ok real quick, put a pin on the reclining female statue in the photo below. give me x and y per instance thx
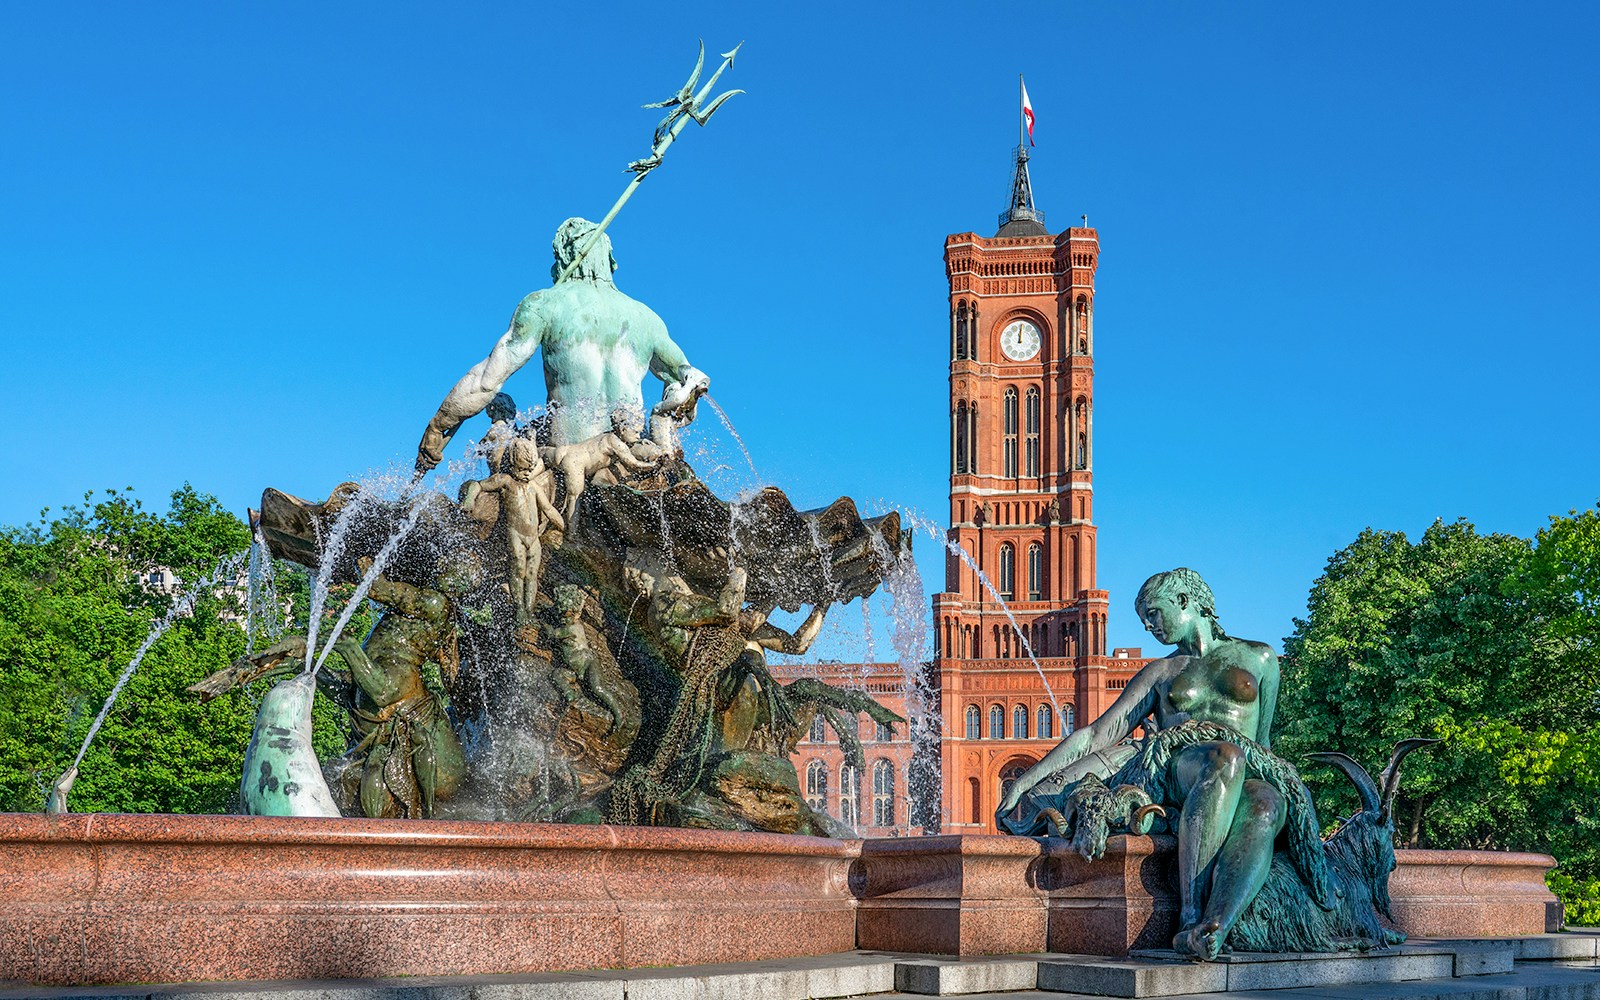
(1205, 756)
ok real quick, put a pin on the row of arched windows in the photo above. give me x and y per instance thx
(1030, 441)
(848, 805)
(1063, 637)
(1019, 723)
(881, 732)
(1021, 426)
(1008, 572)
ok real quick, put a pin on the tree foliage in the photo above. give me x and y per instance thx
(75, 605)
(1485, 641)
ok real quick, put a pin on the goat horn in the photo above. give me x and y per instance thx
(1365, 786)
(1143, 817)
(1391, 774)
(1051, 817)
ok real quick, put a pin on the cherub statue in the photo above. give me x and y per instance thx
(643, 449)
(586, 460)
(580, 675)
(527, 507)
(502, 414)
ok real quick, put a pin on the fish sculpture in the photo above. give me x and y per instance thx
(281, 774)
(57, 804)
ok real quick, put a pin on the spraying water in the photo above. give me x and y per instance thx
(723, 416)
(908, 604)
(452, 471)
(377, 566)
(226, 569)
(263, 612)
(329, 553)
(966, 557)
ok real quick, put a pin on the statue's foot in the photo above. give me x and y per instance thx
(1201, 942)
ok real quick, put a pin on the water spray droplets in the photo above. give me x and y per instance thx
(225, 573)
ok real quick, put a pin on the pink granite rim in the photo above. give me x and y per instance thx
(963, 844)
(1488, 859)
(90, 828)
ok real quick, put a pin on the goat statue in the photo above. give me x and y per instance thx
(1283, 917)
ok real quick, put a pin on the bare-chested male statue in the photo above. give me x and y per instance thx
(598, 343)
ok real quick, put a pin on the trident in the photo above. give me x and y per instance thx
(685, 104)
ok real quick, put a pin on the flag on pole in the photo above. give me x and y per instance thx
(1027, 113)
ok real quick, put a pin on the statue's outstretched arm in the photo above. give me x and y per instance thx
(371, 678)
(667, 360)
(770, 636)
(1137, 700)
(473, 392)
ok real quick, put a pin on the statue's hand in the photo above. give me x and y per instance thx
(430, 450)
(678, 398)
(1013, 798)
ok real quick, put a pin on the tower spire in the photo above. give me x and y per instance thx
(1020, 218)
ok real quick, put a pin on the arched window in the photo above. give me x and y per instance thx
(972, 331)
(1008, 572)
(849, 796)
(972, 439)
(961, 448)
(817, 734)
(1082, 325)
(1080, 434)
(882, 733)
(1035, 572)
(1031, 448)
(1019, 722)
(1010, 444)
(1009, 777)
(1067, 723)
(883, 793)
(997, 722)
(961, 332)
(1046, 723)
(974, 723)
(817, 786)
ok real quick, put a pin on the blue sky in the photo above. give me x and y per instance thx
(1347, 270)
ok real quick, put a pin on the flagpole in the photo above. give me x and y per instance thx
(1021, 118)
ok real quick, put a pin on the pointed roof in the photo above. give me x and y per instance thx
(1022, 219)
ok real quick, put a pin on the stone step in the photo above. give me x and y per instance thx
(1160, 973)
(953, 977)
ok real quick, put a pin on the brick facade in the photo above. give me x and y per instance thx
(1022, 535)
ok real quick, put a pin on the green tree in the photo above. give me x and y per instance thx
(1484, 641)
(73, 611)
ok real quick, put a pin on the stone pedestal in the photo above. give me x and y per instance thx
(1124, 900)
(1463, 894)
(960, 895)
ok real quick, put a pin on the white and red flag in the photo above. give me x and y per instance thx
(1027, 113)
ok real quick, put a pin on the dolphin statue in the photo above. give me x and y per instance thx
(281, 773)
(57, 805)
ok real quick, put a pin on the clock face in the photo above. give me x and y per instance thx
(1020, 340)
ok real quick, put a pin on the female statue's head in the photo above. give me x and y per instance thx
(1178, 607)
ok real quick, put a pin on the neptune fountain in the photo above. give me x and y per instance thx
(580, 636)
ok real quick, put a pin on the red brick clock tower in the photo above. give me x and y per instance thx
(1022, 337)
